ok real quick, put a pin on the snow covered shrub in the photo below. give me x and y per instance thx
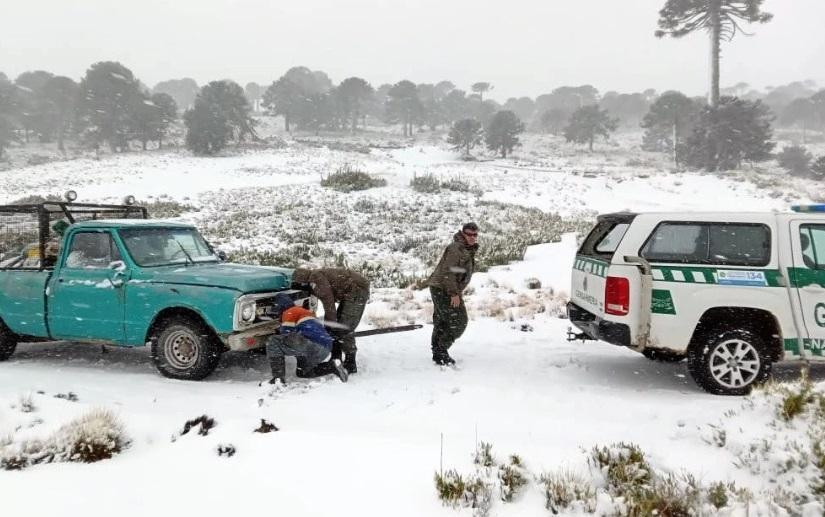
(567, 490)
(426, 184)
(818, 168)
(533, 283)
(266, 427)
(165, 207)
(456, 185)
(484, 455)
(26, 404)
(623, 465)
(795, 159)
(96, 436)
(796, 397)
(511, 478)
(93, 437)
(226, 449)
(203, 423)
(719, 494)
(455, 491)
(668, 497)
(349, 179)
(70, 396)
(450, 487)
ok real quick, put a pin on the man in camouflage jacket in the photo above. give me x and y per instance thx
(351, 291)
(447, 284)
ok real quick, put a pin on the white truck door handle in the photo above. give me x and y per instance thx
(814, 288)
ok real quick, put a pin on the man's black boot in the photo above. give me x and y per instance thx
(349, 363)
(278, 367)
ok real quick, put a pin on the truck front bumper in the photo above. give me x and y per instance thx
(596, 328)
(252, 338)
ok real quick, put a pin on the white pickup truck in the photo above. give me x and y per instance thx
(731, 292)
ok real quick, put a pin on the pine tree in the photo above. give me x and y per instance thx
(721, 18)
(818, 169)
(60, 94)
(220, 111)
(669, 122)
(108, 92)
(465, 134)
(354, 94)
(502, 132)
(796, 160)
(588, 122)
(724, 137)
(403, 106)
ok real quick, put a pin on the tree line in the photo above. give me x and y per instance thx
(110, 106)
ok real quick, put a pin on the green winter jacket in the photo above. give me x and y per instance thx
(456, 267)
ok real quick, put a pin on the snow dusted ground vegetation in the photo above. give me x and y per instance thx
(595, 428)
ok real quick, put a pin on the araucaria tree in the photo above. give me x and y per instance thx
(464, 135)
(724, 137)
(588, 122)
(721, 18)
(502, 133)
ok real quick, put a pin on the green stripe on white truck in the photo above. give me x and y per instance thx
(814, 347)
(592, 266)
(718, 276)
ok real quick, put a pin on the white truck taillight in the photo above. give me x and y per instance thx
(617, 296)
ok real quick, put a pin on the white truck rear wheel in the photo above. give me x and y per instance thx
(730, 362)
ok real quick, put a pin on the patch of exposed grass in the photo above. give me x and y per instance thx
(349, 179)
(565, 490)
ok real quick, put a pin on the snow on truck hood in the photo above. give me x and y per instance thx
(247, 279)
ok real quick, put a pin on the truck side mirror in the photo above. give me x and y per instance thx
(117, 265)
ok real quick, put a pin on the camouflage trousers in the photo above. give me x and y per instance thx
(449, 322)
(349, 313)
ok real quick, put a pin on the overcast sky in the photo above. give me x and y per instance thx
(523, 47)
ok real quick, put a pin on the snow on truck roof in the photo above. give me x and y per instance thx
(808, 210)
(131, 223)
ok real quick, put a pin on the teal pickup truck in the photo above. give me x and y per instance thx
(107, 274)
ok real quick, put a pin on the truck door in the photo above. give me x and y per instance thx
(86, 297)
(807, 278)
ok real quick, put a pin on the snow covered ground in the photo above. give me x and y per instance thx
(371, 447)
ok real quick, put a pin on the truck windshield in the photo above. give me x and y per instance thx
(164, 246)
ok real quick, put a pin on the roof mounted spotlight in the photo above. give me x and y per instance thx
(70, 195)
(129, 200)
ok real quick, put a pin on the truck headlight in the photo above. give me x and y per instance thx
(248, 312)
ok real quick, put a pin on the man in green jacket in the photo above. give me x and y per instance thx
(447, 284)
(351, 291)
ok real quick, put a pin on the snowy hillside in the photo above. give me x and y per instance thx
(371, 447)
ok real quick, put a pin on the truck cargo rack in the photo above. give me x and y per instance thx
(27, 229)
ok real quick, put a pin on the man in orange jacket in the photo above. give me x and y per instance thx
(303, 336)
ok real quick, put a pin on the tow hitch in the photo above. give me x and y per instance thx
(574, 336)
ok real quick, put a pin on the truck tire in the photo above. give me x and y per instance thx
(8, 342)
(184, 348)
(662, 356)
(729, 362)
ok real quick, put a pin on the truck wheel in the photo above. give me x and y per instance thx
(662, 356)
(184, 348)
(8, 342)
(730, 363)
